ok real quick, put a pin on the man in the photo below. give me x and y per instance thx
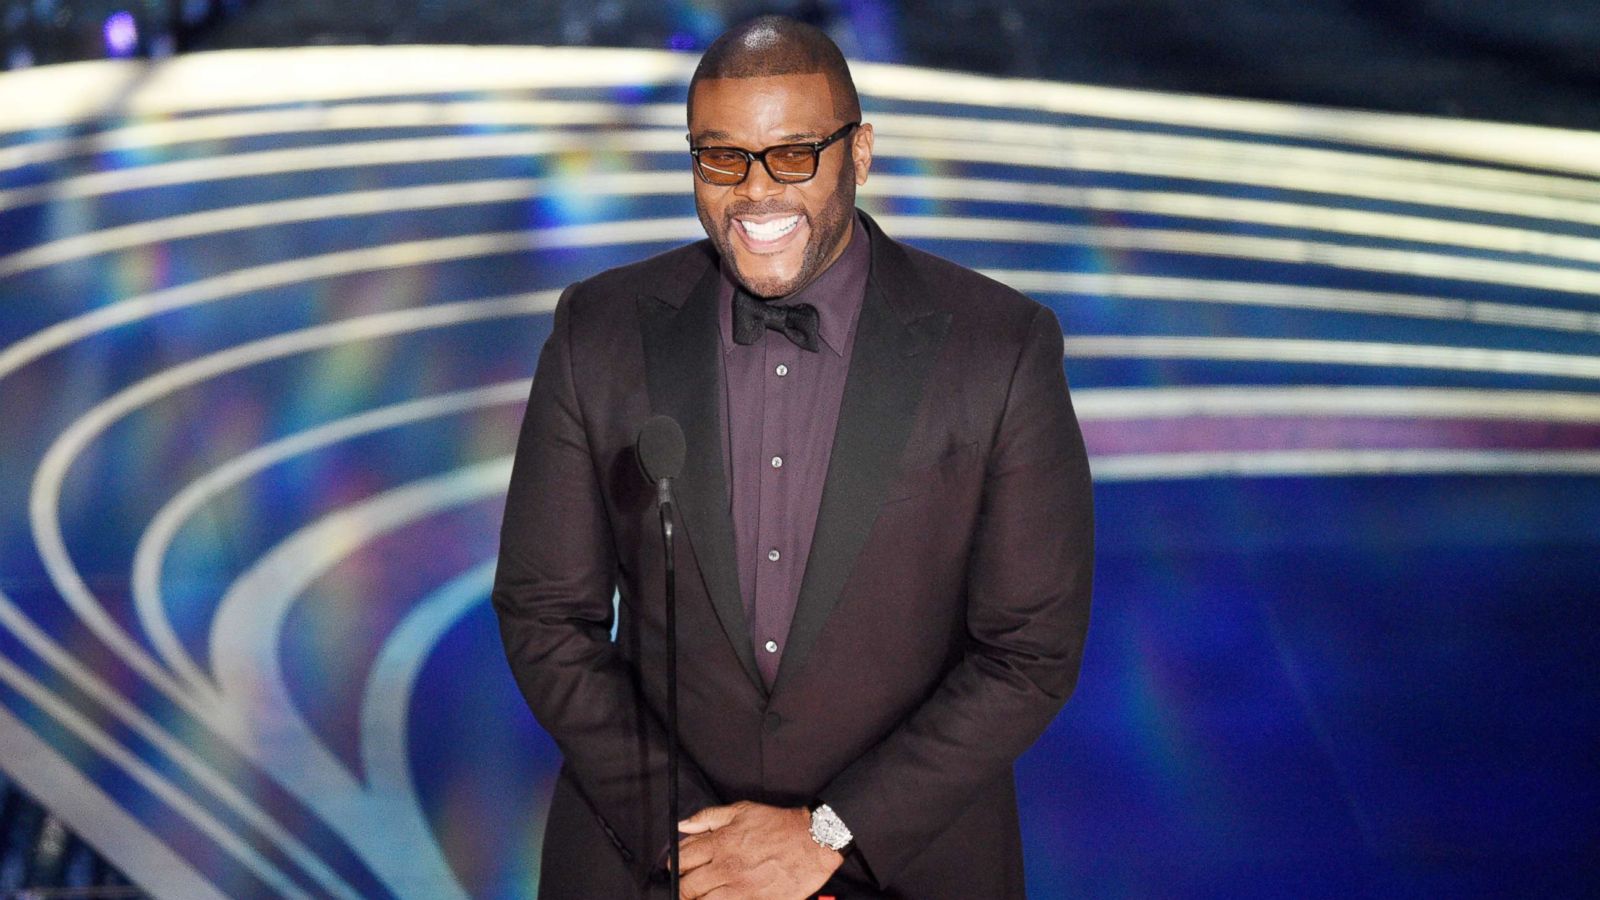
(886, 511)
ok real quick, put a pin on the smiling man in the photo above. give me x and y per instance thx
(775, 234)
(887, 513)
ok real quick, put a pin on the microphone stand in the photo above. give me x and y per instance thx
(664, 501)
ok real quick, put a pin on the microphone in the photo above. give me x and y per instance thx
(660, 448)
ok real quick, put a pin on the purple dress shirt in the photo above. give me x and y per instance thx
(781, 412)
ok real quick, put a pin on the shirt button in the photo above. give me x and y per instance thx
(773, 555)
(777, 462)
(782, 370)
(772, 646)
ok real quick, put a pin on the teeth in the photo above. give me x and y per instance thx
(770, 231)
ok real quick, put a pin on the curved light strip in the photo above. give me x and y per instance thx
(139, 308)
(148, 778)
(1519, 145)
(1295, 296)
(1339, 220)
(1254, 463)
(150, 556)
(1276, 213)
(386, 704)
(1128, 154)
(45, 497)
(140, 723)
(321, 157)
(1234, 150)
(66, 94)
(1104, 404)
(330, 265)
(413, 253)
(335, 206)
(146, 135)
(1267, 249)
(33, 99)
(81, 803)
(52, 549)
(1562, 192)
(1131, 161)
(259, 712)
(1350, 353)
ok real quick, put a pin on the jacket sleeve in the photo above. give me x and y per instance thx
(1028, 585)
(553, 596)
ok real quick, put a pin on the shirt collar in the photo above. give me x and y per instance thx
(837, 293)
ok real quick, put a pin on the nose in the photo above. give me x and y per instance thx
(758, 184)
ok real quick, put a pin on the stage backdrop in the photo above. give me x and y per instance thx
(267, 321)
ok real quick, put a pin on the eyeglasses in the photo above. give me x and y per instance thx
(786, 163)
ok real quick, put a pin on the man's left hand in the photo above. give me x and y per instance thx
(748, 850)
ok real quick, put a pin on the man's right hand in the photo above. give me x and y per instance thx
(751, 851)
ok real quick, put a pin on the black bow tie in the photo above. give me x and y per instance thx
(751, 317)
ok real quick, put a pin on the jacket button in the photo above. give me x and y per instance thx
(772, 721)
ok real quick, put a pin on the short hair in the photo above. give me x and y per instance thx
(779, 45)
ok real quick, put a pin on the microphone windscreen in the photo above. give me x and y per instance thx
(661, 448)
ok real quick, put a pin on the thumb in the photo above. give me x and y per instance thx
(709, 819)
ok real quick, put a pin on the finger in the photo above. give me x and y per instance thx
(708, 819)
(701, 881)
(694, 852)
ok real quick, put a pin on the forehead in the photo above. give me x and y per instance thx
(764, 108)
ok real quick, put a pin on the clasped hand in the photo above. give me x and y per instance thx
(748, 851)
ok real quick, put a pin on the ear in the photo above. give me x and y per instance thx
(861, 151)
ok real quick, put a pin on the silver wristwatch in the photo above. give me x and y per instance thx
(828, 830)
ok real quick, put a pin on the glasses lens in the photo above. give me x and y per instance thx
(722, 166)
(792, 163)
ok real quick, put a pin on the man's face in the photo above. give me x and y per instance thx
(777, 236)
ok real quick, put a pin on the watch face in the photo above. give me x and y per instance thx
(828, 829)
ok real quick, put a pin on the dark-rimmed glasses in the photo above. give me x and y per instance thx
(786, 163)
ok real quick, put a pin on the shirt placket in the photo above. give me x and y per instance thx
(773, 546)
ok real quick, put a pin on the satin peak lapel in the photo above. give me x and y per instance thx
(681, 345)
(895, 347)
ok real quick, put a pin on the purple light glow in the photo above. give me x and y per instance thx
(121, 33)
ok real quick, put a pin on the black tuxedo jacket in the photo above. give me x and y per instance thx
(941, 616)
